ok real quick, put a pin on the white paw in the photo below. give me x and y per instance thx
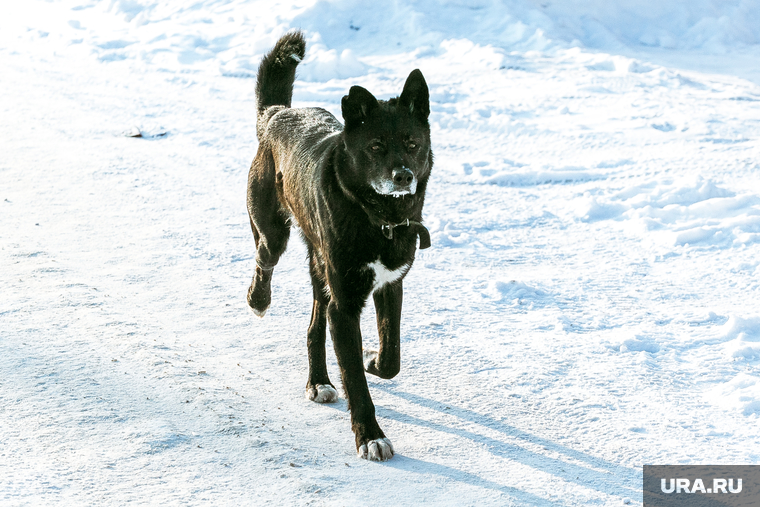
(376, 450)
(260, 313)
(322, 393)
(369, 356)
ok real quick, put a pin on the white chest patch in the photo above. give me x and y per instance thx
(383, 275)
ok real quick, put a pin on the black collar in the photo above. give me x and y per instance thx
(417, 227)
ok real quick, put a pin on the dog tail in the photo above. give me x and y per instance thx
(277, 72)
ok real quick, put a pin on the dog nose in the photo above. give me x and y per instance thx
(402, 176)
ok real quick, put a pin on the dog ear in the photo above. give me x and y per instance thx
(415, 95)
(357, 105)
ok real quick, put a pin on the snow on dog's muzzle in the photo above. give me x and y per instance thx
(402, 182)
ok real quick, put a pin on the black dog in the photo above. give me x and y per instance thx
(356, 192)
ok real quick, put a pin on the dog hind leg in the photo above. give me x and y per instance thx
(319, 388)
(270, 227)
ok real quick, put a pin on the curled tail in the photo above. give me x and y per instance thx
(274, 83)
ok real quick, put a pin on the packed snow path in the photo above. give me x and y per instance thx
(589, 304)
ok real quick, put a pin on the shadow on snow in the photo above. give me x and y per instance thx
(594, 473)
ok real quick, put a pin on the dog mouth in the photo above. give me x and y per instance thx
(389, 188)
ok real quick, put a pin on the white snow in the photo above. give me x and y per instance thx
(589, 303)
(743, 337)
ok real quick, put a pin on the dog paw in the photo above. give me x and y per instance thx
(370, 359)
(322, 393)
(376, 450)
(260, 313)
(258, 299)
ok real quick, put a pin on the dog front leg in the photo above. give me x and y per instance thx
(386, 362)
(346, 334)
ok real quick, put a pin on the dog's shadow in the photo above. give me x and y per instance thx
(419, 466)
(575, 467)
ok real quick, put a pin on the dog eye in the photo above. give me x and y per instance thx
(376, 148)
(412, 146)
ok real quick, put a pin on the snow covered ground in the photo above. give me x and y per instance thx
(590, 303)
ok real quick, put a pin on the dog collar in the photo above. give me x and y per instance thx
(387, 227)
(417, 227)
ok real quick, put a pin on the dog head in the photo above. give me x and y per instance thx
(388, 142)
